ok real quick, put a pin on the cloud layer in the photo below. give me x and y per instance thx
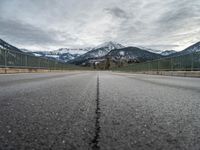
(50, 24)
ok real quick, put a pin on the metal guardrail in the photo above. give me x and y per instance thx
(14, 59)
(189, 62)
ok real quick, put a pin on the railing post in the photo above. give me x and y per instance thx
(21, 60)
(192, 62)
(157, 65)
(26, 60)
(38, 62)
(171, 63)
(48, 64)
(5, 58)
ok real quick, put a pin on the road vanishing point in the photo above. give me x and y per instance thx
(99, 110)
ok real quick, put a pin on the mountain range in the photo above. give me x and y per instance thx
(97, 52)
(62, 54)
(111, 50)
(161, 52)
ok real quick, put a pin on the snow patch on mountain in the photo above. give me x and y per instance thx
(161, 52)
(53, 56)
(38, 55)
(122, 53)
(98, 52)
(168, 52)
(110, 45)
(79, 51)
(193, 48)
(133, 54)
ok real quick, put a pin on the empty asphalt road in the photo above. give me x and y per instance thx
(99, 110)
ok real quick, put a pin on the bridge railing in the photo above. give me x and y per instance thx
(9, 58)
(189, 62)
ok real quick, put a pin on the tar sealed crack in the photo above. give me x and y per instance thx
(95, 140)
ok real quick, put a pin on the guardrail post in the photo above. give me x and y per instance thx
(48, 64)
(21, 58)
(26, 60)
(5, 58)
(192, 62)
(157, 66)
(39, 63)
(171, 63)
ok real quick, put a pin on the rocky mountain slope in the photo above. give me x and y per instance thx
(133, 54)
(167, 52)
(62, 54)
(5, 45)
(97, 52)
(191, 49)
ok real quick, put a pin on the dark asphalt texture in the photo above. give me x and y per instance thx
(99, 110)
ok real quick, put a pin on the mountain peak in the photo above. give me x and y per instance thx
(110, 45)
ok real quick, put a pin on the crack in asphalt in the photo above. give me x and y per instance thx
(95, 141)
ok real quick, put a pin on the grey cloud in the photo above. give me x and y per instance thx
(117, 12)
(28, 34)
(155, 23)
(179, 14)
(175, 18)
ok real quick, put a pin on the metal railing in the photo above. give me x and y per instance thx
(189, 62)
(9, 58)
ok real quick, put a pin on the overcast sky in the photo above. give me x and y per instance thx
(52, 24)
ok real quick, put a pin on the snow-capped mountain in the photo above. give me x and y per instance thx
(191, 49)
(97, 52)
(62, 54)
(161, 52)
(167, 52)
(132, 54)
(78, 51)
(109, 46)
(120, 57)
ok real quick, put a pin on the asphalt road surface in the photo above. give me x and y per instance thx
(99, 110)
